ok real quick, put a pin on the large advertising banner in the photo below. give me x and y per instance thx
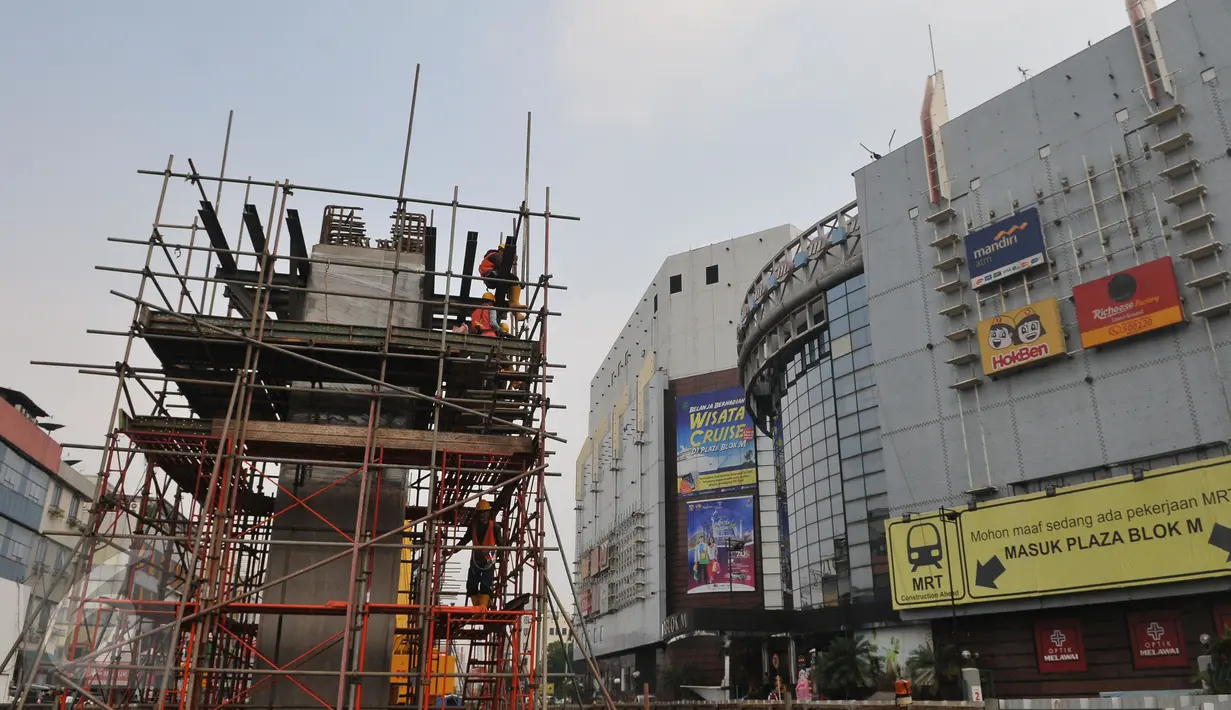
(714, 446)
(721, 545)
(1001, 249)
(1128, 303)
(1021, 337)
(1166, 525)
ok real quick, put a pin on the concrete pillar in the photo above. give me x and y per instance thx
(282, 638)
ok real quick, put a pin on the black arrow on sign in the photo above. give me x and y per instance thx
(1220, 537)
(987, 574)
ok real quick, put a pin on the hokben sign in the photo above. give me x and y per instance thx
(1170, 525)
(1021, 337)
(1004, 248)
(1131, 302)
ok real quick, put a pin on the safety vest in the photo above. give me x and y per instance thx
(489, 264)
(481, 321)
(486, 539)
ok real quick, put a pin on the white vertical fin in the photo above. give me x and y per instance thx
(1149, 49)
(934, 114)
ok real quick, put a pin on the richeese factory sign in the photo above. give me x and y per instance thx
(1131, 302)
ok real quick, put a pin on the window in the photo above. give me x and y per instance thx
(9, 476)
(73, 507)
(15, 543)
(36, 486)
(676, 283)
(56, 494)
(711, 274)
(656, 303)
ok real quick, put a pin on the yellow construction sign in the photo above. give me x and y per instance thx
(1166, 525)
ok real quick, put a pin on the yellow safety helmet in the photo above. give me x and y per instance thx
(504, 326)
(489, 296)
(483, 505)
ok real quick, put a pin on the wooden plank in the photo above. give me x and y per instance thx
(310, 334)
(406, 440)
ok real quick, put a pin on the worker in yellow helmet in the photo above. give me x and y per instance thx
(483, 532)
(482, 319)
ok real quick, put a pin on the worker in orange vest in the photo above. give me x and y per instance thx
(481, 319)
(492, 267)
(483, 532)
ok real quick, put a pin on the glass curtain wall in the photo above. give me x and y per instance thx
(834, 464)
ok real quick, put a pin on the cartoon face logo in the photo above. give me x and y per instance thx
(1007, 331)
(923, 546)
(1000, 336)
(1030, 327)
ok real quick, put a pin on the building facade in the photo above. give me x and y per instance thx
(44, 504)
(676, 508)
(1030, 466)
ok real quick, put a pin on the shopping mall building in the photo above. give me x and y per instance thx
(988, 397)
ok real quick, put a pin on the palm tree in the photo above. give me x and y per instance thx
(931, 671)
(1218, 677)
(846, 668)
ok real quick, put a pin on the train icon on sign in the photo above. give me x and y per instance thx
(923, 546)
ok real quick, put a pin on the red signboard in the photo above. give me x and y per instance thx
(1131, 302)
(1158, 640)
(1222, 620)
(1059, 647)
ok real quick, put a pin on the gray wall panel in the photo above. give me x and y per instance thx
(1066, 416)
(915, 478)
(904, 373)
(1149, 395)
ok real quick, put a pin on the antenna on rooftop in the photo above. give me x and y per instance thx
(932, 46)
(878, 156)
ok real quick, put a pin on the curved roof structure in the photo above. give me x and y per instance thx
(784, 303)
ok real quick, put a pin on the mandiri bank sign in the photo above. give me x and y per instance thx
(1001, 249)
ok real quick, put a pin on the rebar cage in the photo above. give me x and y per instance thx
(298, 439)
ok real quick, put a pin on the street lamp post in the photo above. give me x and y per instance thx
(950, 516)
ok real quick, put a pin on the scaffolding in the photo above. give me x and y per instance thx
(298, 439)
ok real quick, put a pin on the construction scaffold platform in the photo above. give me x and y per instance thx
(301, 433)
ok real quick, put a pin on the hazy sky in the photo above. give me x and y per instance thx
(664, 124)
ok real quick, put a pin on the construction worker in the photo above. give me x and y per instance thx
(483, 532)
(481, 319)
(493, 267)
